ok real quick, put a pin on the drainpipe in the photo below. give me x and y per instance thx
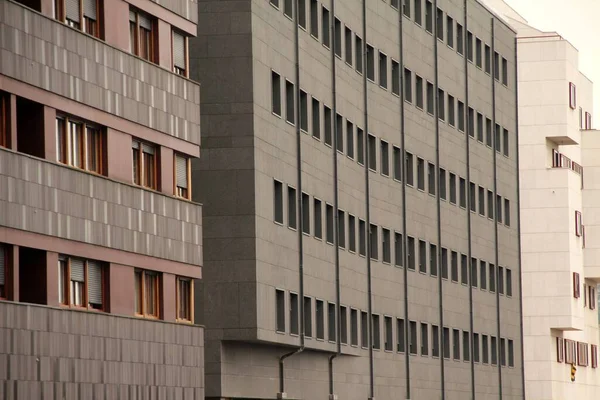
(282, 394)
(332, 395)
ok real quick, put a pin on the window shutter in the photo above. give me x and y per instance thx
(145, 21)
(178, 50)
(559, 350)
(94, 282)
(147, 149)
(77, 270)
(181, 170)
(90, 9)
(72, 9)
(2, 267)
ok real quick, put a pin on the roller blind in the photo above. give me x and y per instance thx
(179, 50)
(131, 15)
(135, 144)
(2, 267)
(181, 168)
(147, 149)
(94, 282)
(72, 10)
(90, 9)
(145, 21)
(77, 267)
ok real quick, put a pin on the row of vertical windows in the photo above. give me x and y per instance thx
(385, 244)
(350, 140)
(423, 338)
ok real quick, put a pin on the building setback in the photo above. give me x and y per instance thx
(358, 244)
(559, 191)
(100, 243)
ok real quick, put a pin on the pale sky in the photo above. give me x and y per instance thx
(576, 21)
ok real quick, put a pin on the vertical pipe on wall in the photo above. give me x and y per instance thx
(469, 229)
(299, 210)
(437, 195)
(496, 255)
(403, 173)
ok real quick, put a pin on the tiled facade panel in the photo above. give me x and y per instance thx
(69, 355)
(185, 8)
(51, 56)
(45, 198)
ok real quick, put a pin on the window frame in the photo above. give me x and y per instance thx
(157, 296)
(66, 145)
(85, 295)
(572, 96)
(176, 69)
(176, 189)
(178, 280)
(141, 164)
(60, 14)
(153, 45)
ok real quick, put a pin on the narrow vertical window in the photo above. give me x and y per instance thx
(360, 146)
(396, 78)
(5, 123)
(459, 39)
(485, 351)
(318, 215)
(452, 196)
(412, 339)
(314, 18)
(353, 327)
(386, 245)
(280, 310)
(454, 266)
(424, 339)
(291, 197)
(483, 274)
(302, 13)
(488, 59)
(456, 344)
(474, 265)
(420, 173)
(418, 12)
(464, 270)
(275, 93)
(303, 111)
(288, 8)
(182, 179)
(408, 85)
(374, 241)
(409, 169)
(397, 160)
(481, 199)
(444, 263)
(389, 337)
(490, 203)
(359, 54)
(471, 122)
(463, 193)
(400, 336)
(328, 121)
(488, 132)
(294, 321)
(362, 241)
(341, 226)
(349, 139)
(398, 254)
(308, 316)
(509, 287)
(351, 233)
(461, 116)
(505, 140)
(4, 268)
(503, 352)
(440, 25)
(511, 353)
(469, 46)
(504, 71)
(430, 98)
(339, 133)
(507, 212)
(376, 340)
(410, 252)
(450, 31)
(492, 274)
(431, 178)
(370, 63)
(419, 92)
(278, 202)
(179, 54)
(385, 158)
(422, 256)
(77, 282)
(290, 101)
(435, 341)
(451, 111)
(446, 342)
(405, 7)
(325, 30)
(499, 207)
(185, 295)
(496, 66)
(364, 329)
(329, 223)
(337, 25)
(500, 280)
(472, 197)
(441, 105)
(480, 127)
(316, 118)
(348, 36)
(433, 260)
(91, 22)
(320, 319)
(142, 35)
(428, 16)
(476, 357)
(466, 346)
(306, 213)
(147, 294)
(372, 152)
(478, 53)
(572, 96)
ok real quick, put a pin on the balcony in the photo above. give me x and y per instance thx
(51, 199)
(51, 56)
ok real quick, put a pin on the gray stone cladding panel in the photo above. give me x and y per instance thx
(187, 9)
(52, 56)
(51, 199)
(53, 353)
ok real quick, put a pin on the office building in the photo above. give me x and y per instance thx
(559, 214)
(359, 184)
(100, 243)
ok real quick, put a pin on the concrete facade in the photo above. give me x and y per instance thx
(558, 197)
(100, 241)
(275, 264)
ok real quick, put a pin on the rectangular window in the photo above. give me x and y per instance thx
(288, 8)
(500, 280)
(446, 342)
(337, 45)
(505, 141)
(386, 245)
(422, 256)
(440, 25)
(351, 233)
(389, 337)
(498, 137)
(147, 294)
(294, 320)
(372, 152)
(179, 54)
(454, 266)
(496, 66)
(441, 106)
(360, 146)
(503, 352)
(328, 124)
(444, 263)
(435, 341)
(5, 123)
(492, 274)
(452, 178)
(318, 215)
(499, 208)
(459, 39)
(364, 329)
(398, 254)
(397, 160)
(349, 139)
(400, 334)
(506, 212)
(424, 339)
(572, 96)
(144, 164)
(443, 189)
(339, 133)
(290, 102)
(418, 12)
(476, 357)
(314, 18)
(5, 267)
(594, 355)
(464, 270)
(383, 66)
(490, 203)
(481, 199)
(359, 54)
(348, 36)
(370, 63)
(308, 316)
(279, 310)
(472, 197)
(278, 201)
(81, 282)
(451, 111)
(483, 274)
(320, 318)
(72, 11)
(395, 77)
(409, 169)
(413, 337)
(461, 116)
(374, 241)
(474, 280)
(433, 260)
(79, 144)
(329, 223)
(376, 342)
(430, 98)
(182, 177)
(185, 296)
(488, 132)
(142, 35)
(509, 286)
(511, 353)
(471, 122)
(410, 252)
(478, 52)
(431, 178)
(325, 22)
(306, 213)
(488, 59)
(362, 242)
(463, 193)
(303, 111)
(418, 92)
(466, 347)
(275, 93)
(485, 351)
(331, 322)
(341, 229)
(353, 327)
(420, 173)
(450, 31)
(405, 6)
(480, 127)
(504, 71)
(385, 158)
(343, 325)
(456, 344)
(316, 118)
(428, 16)
(408, 85)
(292, 222)
(469, 46)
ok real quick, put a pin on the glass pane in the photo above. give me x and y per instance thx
(136, 166)
(149, 170)
(93, 150)
(150, 294)
(76, 144)
(138, 292)
(61, 141)
(145, 43)
(132, 37)
(62, 271)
